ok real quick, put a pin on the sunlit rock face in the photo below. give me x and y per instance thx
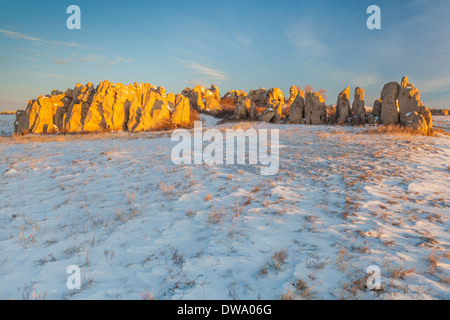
(343, 106)
(230, 99)
(293, 93)
(109, 107)
(181, 117)
(272, 98)
(315, 109)
(206, 100)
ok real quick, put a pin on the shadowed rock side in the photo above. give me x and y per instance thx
(343, 106)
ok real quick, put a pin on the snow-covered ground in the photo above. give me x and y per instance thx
(7, 125)
(134, 222)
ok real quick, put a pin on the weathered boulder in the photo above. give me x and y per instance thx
(408, 98)
(259, 97)
(212, 100)
(416, 121)
(268, 115)
(376, 110)
(275, 99)
(230, 99)
(252, 111)
(440, 112)
(242, 109)
(297, 109)
(315, 109)
(359, 106)
(343, 106)
(181, 117)
(389, 104)
(426, 114)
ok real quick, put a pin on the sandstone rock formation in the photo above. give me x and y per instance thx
(408, 98)
(201, 99)
(242, 109)
(230, 99)
(359, 106)
(376, 110)
(297, 109)
(315, 109)
(343, 106)
(269, 115)
(143, 107)
(181, 117)
(402, 104)
(440, 112)
(389, 104)
(109, 107)
(293, 93)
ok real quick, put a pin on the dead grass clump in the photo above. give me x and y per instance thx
(433, 259)
(208, 197)
(216, 216)
(276, 262)
(392, 130)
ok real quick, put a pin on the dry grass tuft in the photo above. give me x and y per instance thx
(216, 215)
(392, 130)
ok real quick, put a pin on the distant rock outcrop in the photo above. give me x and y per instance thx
(440, 112)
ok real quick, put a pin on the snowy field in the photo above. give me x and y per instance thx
(7, 125)
(138, 225)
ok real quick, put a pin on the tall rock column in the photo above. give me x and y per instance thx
(389, 104)
(315, 109)
(343, 106)
(359, 106)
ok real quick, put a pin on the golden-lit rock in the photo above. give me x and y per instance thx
(293, 93)
(79, 107)
(181, 117)
(275, 99)
(230, 99)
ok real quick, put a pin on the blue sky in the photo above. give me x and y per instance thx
(234, 44)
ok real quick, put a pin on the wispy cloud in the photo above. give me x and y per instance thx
(211, 73)
(303, 37)
(63, 62)
(18, 35)
(115, 61)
